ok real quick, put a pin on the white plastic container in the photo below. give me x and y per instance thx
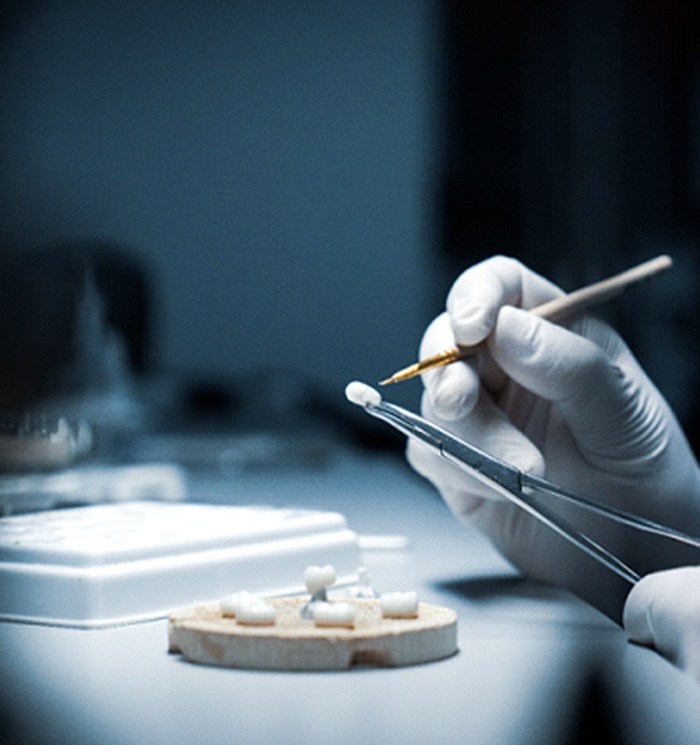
(113, 564)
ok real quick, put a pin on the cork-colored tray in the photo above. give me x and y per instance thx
(202, 634)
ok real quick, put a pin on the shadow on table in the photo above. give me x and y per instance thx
(491, 587)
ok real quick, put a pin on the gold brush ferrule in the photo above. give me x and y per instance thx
(438, 360)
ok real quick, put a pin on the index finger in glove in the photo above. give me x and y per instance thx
(452, 390)
(479, 292)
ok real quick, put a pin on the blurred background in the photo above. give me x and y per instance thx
(230, 209)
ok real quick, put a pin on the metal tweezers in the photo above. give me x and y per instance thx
(512, 483)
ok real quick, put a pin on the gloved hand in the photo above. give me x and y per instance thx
(663, 611)
(571, 404)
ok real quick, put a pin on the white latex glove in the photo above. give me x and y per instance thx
(663, 611)
(570, 404)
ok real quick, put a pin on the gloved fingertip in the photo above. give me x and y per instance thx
(453, 394)
(471, 323)
(450, 403)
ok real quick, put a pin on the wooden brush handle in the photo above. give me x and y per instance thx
(599, 292)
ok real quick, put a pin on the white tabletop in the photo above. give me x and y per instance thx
(535, 665)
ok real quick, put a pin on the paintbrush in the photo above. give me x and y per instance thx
(554, 310)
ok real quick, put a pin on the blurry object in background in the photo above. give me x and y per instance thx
(57, 304)
(98, 355)
(230, 451)
(92, 484)
(36, 443)
(73, 327)
(96, 378)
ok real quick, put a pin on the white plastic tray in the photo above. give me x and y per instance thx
(112, 564)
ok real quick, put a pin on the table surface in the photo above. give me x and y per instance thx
(535, 665)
